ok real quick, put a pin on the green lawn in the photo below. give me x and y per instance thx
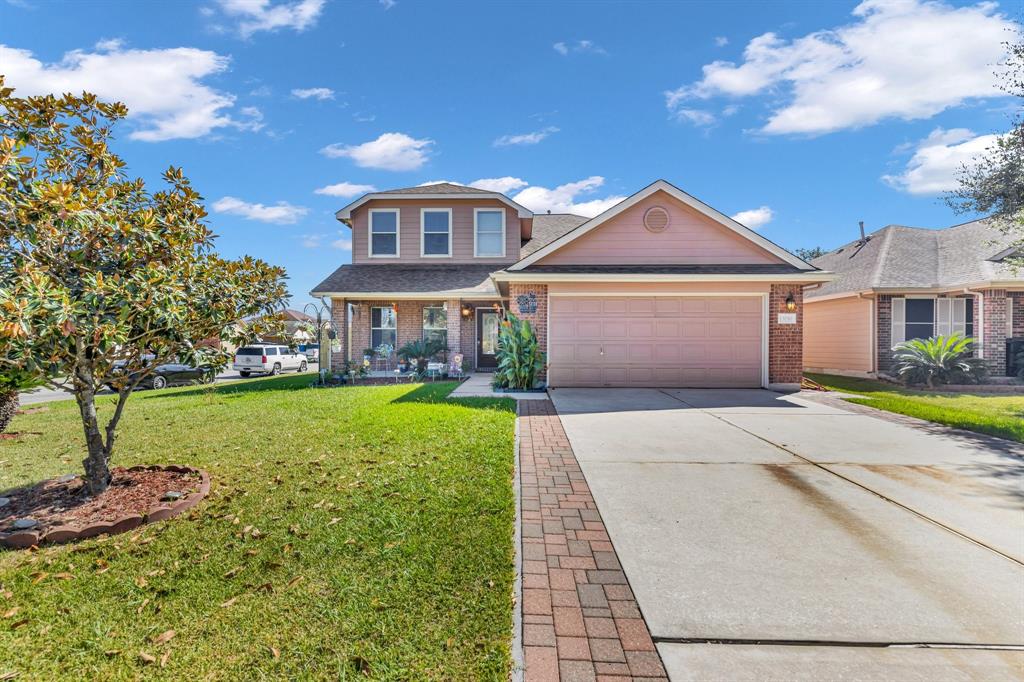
(385, 522)
(995, 414)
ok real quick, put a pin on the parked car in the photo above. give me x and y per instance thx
(313, 353)
(169, 374)
(268, 359)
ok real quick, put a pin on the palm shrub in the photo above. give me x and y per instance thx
(420, 352)
(938, 360)
(12, 380)
(519, 357)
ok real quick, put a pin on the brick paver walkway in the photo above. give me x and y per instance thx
(580, 619)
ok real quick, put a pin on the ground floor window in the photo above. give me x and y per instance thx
(383, 326)
(435, 324)
(923, 318)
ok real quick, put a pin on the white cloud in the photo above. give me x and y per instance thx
(938, 159)
(563, 199)
(317, 93)
(755, 217)
(390, 151)
(906, 59)
(263, 15)
(342, 243)
(698, 117)
(345, 190)
(281, 213)
(721, 41)
(578, 47)
(109, 44)
(163, 89)
(388, 4)
(525, 138)
(311, 241)
(502, 185)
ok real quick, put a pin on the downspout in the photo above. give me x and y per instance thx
(873, 330)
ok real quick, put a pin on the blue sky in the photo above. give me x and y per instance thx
(800, 118)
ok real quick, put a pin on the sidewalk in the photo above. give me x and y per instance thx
(478, 385)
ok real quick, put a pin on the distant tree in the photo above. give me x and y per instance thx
(96, 272)
(993, 183)
(811, 253)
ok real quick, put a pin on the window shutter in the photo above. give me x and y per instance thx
(943, 317)
(899, 315)
(960, 315)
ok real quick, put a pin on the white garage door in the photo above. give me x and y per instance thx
(687, 341)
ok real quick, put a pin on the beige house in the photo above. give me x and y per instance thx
(659, 290)
(901, 283)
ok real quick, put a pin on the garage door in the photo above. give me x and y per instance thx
(689, 341)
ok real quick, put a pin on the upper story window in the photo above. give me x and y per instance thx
(489, 232)
(436, 232)
(384, 232)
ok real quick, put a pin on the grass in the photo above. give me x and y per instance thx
(384, 550)
(993, 414)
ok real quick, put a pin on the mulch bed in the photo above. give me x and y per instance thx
(64, 511)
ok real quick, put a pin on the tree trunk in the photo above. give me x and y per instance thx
(96, 463)
(8, 406)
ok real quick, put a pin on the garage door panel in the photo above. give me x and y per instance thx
(712, 341)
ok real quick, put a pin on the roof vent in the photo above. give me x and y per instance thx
(656, 219)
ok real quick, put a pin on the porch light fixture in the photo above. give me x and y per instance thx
(790, 302)
(466, 312)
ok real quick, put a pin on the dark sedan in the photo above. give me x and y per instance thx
(175, 374)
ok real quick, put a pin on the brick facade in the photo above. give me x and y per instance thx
(994, 325)
(785, 341)
(339, 316)
(1016, 299)
(519, 294)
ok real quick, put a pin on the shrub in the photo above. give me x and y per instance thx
(420, 352)
(12, 380)
(519, 357)
(938, 360)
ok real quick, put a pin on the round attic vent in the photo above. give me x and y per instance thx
(656, 219)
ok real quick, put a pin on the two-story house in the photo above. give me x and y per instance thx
(659, 290)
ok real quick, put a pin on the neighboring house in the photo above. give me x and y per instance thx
(902, 283)
(659, 290)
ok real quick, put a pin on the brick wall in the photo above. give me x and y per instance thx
(339, 315)
(883, 306)
(785, 341)
(409, 323)
(539, 318)
(994, 324)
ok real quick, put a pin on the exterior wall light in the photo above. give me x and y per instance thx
(790, 302)
(466, 312)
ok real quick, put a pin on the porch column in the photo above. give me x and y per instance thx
(994, 326)
(454, 318)
(339, 315)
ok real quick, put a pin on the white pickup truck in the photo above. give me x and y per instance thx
(267, 359)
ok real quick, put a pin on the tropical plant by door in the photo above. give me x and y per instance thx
(520, 359)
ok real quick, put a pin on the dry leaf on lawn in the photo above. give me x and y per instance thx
(233, 572)
(229, 602)
(166, 657)
(142, 605)
(164, 637)
(294, 580)
(146, 658)
(274, 652)
(11, 613)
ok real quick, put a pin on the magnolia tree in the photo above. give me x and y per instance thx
(102, 280)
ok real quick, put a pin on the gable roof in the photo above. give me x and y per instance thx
(678, 194)
(547, 227)
(900, 257)
(441, 190)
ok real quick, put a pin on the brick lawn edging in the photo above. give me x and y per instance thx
(158, 512)
(580, 619)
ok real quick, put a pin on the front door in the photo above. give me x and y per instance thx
(487, 322)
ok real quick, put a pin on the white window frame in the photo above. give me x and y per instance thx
(476, 226)
(423, 232)
(398, 233)
(424, 329)
(394, 313)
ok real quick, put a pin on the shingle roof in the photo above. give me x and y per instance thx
(456, 279)
(437, 188)
(897, 257)
(547, 227)
(295, 315)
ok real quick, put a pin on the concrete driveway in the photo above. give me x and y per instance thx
(774, 537)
